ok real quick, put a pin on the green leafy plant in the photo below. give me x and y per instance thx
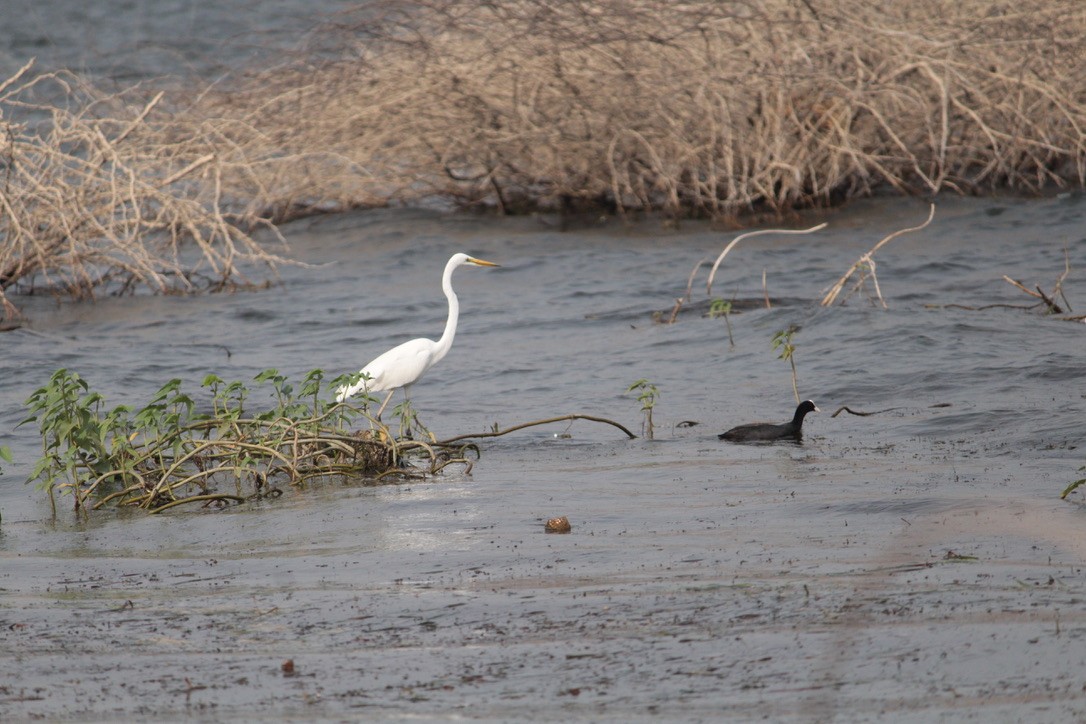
(722, 308)
(180, 449)
(409, 420)
(647, 396)
(1074, 485)
(782, 341)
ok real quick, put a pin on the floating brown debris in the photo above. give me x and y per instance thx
(558, 525)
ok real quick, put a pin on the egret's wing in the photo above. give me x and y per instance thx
(402, 365)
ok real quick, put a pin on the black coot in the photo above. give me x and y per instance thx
(768, 430)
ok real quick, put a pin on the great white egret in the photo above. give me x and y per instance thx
(403, 365)
(770, 431)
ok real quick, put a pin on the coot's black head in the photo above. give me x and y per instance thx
(801, 411)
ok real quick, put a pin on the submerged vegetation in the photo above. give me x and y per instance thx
(717, 109)
(178, 449)
(221, 447)
(647, 395)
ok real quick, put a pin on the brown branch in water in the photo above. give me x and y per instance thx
(1053, 306)
(547, 421)
(849, 410)
(749, 234)
(1021, 286)
(209, 498)
(1058, 289)
(971, 308)
(869, 261)
(675, 310)
(690, 279)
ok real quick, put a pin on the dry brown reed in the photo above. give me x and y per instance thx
(87, 202)
(718, 108)
(864, 267)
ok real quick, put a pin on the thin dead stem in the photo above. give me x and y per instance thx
(865, 265)
(546, 421)
(749, 234)
(714, 109)
(1048, 300)
(95, 198)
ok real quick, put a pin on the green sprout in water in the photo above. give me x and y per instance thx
(409, 418)
(782, 341)
(647, 396)
(1073, 486)
(722, 308)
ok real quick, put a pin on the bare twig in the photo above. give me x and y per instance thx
(748, 235)
(1021, 286)
(867, 260)
(547, 421)
(1048, 300)
(89, 200)
(849, 410)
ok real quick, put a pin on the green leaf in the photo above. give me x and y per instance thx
(268, 374)
(1071, 488)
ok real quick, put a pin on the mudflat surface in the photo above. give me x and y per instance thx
(915, 564)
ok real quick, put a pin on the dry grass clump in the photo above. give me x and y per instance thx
(87, 202)
(717, 108)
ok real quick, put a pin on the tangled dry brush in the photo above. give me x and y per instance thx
(716, 108)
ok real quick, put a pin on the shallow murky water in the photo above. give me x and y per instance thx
(916, 562)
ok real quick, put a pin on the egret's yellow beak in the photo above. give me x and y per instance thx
(481, 262)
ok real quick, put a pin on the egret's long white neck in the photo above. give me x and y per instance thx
(447, 336)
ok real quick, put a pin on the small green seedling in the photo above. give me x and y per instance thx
(782, 341)
(722, 308)
(409, 418)
(647, 396)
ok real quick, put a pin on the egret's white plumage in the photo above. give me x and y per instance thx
(403, 365)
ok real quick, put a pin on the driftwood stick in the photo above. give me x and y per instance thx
(1021, 286)
(1052, 306)
(749, 234)
(690, 280)
(849, 410)
(835, 290)
(675, 310)
(547, 421)
(1058, 289)
(1051, 303)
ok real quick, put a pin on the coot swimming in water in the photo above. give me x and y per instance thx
(768, 430)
